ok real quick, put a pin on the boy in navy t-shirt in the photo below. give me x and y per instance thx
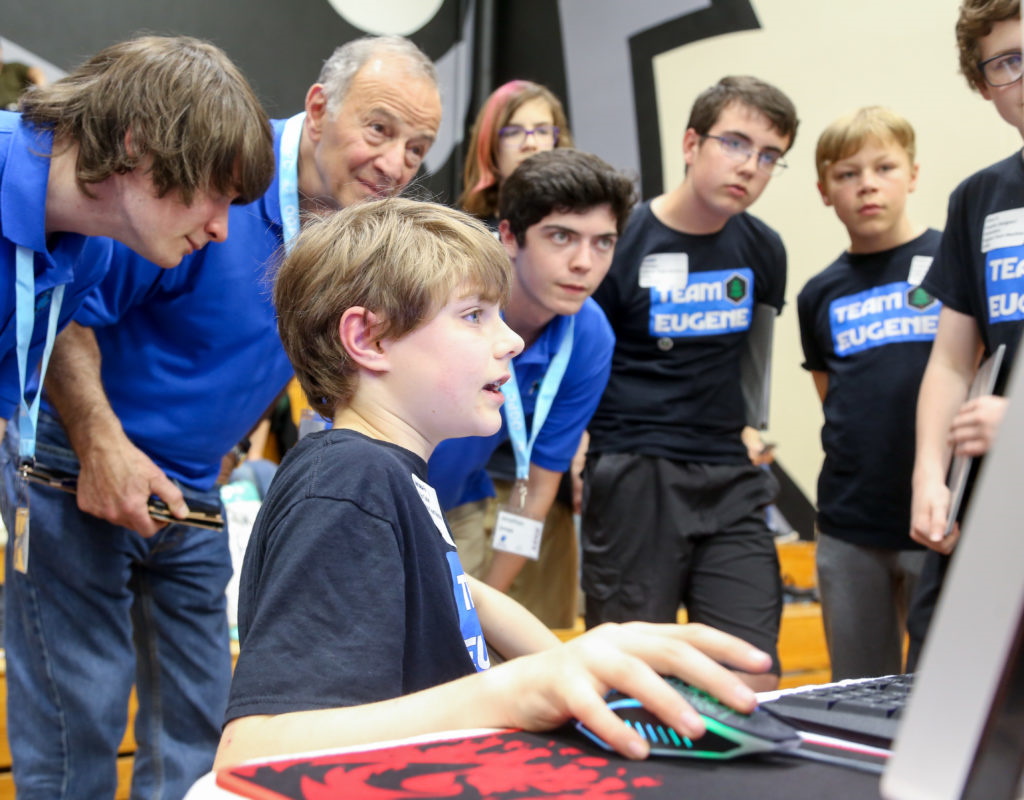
(674, 508)
(867, 328)
(356, 621)
(977, 277)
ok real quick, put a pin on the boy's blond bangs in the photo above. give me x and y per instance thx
(848, 134)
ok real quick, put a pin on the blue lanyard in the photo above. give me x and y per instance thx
(25, 315)
(514, 415)
(288, 178)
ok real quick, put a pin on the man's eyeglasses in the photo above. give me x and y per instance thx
(1001, 70)
(740, 150)
(515, 135)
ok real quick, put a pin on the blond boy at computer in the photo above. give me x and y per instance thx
(356, 620)
(867, 329)
(977, 276)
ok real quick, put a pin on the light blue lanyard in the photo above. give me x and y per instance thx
(25, 316)
(514, 415)
(288, 178)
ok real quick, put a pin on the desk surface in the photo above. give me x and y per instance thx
(514, 764)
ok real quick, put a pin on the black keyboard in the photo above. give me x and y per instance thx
(867, 711)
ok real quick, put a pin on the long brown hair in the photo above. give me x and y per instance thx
(480, 178)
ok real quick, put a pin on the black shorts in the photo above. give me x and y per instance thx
(659, 533)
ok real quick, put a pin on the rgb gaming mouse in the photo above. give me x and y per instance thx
(729, 733)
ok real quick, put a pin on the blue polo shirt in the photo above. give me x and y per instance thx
(191, 356)
(66, 258)
(457, 469)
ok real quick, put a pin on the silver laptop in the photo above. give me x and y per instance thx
(962, 734)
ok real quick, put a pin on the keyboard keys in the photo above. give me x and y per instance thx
(863, 710)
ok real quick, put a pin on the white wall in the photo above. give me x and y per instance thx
(830, 58)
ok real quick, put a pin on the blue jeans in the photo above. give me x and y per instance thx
(102, 608)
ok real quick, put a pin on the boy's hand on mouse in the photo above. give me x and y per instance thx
(544, 690)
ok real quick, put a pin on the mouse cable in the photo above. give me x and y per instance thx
(839, 761)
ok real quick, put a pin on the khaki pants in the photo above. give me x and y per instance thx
(549, 586)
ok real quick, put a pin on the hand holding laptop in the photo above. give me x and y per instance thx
(971, 434)
(975, 425)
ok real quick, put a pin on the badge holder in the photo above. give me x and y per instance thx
(25, 308)
(21, 520)
(514, 531)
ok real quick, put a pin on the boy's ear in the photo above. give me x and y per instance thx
(508, 239)
(357, 329)
(691, 141)
(128, 142)
(316, 110)
(823, 193)
(914, 168)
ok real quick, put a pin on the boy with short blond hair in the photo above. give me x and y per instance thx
(867, 328)
(356, 620)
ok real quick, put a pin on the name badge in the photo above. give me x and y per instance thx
(21, 524)
(514, 532)
(1003, 229)
(517, 534)
(664, 271)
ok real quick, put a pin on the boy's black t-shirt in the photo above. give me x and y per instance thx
(675, 390)
(866, 323)
(979, 268)
(350, 592)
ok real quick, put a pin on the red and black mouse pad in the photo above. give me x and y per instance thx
(513, 765)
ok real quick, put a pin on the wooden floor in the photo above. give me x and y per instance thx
(801, 651)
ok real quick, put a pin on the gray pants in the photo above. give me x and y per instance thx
(865, 593)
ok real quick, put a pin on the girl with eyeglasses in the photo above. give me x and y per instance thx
(520, 118)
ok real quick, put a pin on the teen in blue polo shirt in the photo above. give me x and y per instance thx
(84, 158)
(561, 213)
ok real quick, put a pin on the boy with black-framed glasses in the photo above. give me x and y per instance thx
(674, 498)
(978, 276)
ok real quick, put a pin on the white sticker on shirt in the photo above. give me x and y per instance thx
(664, 271)
(429, 498)
(1003, 229)
(919, 266)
